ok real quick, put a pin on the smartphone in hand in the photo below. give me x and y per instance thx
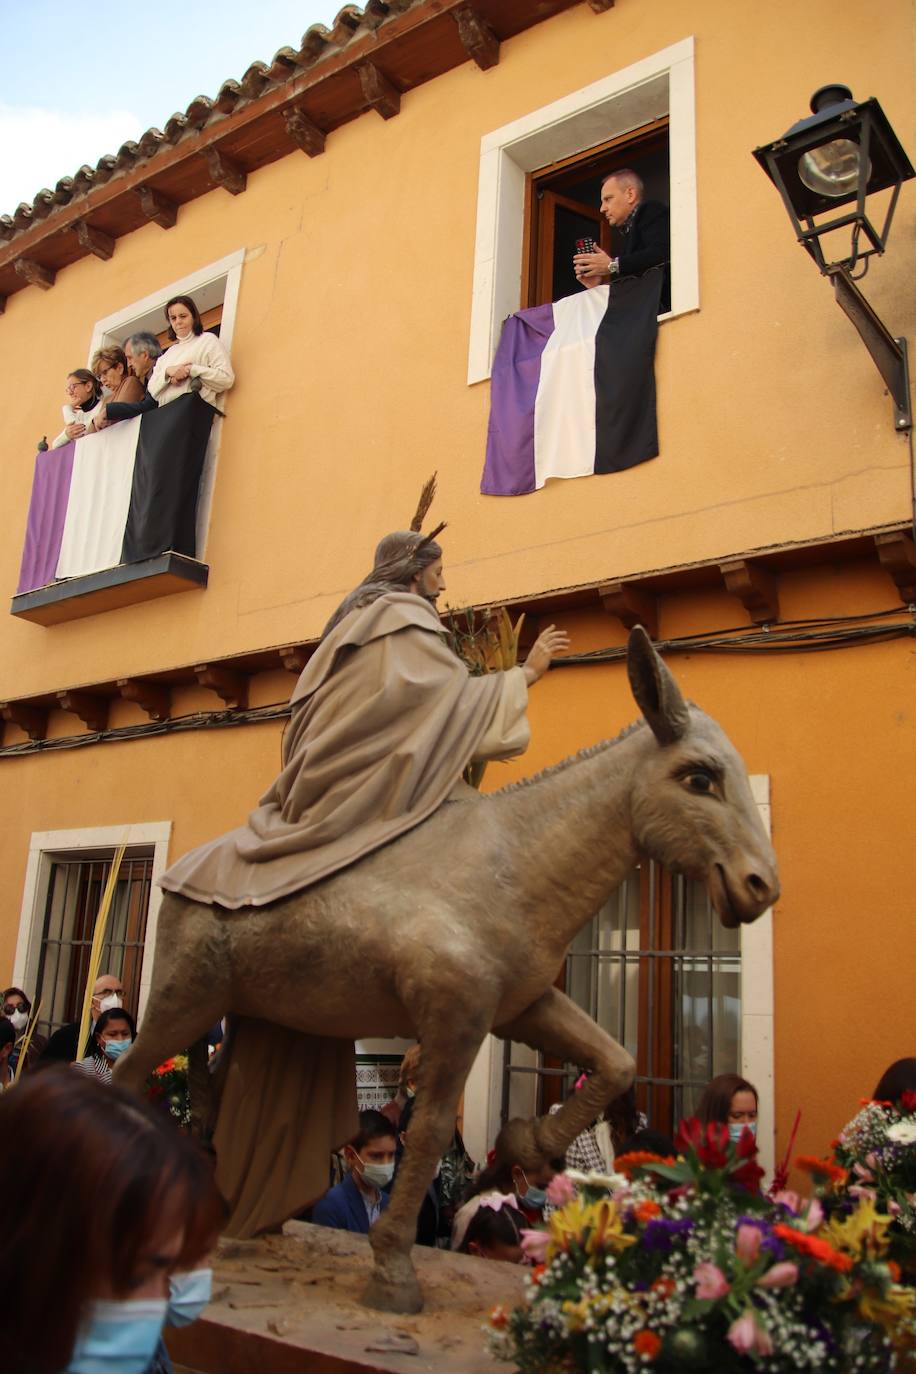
(586, 246)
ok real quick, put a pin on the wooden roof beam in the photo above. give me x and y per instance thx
(92, 710)
(32, 720)
(631, 605)
(35, 274)
(231, 687)
(379, 93)
(157, 207)
(897, 556)
(755, 587)
(601, 6)
(95, 240)
(294, 657)
(151, 697)
(224, 172)
(477, 37)
(303, 132)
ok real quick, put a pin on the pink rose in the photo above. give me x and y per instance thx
(862, 1193)
(747, 1244)
(746, 1334)
(534, 1245)
(710, 1281)
(788, 1199)
(814, 1215)
(560, 1190)
(779, 1276)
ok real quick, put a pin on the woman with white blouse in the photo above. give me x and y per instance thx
(84, 400)
(195, 357)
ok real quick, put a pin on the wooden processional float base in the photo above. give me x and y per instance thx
(290, 1304)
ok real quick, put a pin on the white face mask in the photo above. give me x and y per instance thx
(19, 1020)
(110, 1001)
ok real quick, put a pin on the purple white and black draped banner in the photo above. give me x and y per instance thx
(572, 390)
(123, 495)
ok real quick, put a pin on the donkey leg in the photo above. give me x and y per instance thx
(189, 993)
(445, 1064)
(556, 1026)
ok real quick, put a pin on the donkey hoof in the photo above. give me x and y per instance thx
(387, 1294)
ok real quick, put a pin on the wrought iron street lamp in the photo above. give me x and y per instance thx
(825, 167)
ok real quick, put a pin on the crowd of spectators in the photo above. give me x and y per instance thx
(125, 382)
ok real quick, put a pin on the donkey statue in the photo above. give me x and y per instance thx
(436, 922)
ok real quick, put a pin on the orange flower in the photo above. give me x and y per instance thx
(894, 1270)
(645, 1211)
(536, 1273)
(824, 1169)
(817, 1249)
(625, 1164)
(498, 1317)
(664, 1286)
(647, 1343)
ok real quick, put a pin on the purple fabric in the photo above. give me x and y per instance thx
(509, 467)
(47, 512)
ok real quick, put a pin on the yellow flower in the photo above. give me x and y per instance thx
(863, 1233)
(597, 1226)
(180, 1061)
(889, 1309)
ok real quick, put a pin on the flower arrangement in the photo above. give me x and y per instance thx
(169, 1085)
(678, 1265)
(877, 1152)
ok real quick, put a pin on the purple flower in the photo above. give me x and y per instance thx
(660, 1233)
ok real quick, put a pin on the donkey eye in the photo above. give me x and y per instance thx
(699, 781)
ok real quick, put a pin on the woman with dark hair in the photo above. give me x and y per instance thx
(17, 1008)
(526, 1187)
(113, 1034)
(493, 1230)
(111, 368)
(84, 397)
(110, 1201)
(732, 1101)
(896, 1080)
(196, 361)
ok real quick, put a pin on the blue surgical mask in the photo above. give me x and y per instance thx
(535, 1198)
(118, 1337)
(735, 1128)
(188, 1296)
(115, 1048)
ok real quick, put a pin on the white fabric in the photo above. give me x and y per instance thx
(103, 469)
(564, 408)
(72, 413)
(207, 359)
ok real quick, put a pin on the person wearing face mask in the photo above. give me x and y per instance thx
(358, 1202)
(107, 994)
(527, 1186)
(196, 361)
(112, 1035)
(102, 1177)
(7, 1041)
(732, 1101)
(17, 1008)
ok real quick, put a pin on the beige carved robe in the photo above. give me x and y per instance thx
(385, 718)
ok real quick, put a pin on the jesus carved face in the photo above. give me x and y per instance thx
(430, 582)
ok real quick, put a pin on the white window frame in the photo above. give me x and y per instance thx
(659, 85)
(217, 283)
(484, 1087)
(48, 846)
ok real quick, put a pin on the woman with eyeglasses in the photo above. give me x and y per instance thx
(84, 398)
(113, 1034)
(106, 1231)
(17, 1009)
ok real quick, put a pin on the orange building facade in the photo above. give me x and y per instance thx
(361, 267)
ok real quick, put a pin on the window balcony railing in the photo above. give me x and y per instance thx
(112, 516)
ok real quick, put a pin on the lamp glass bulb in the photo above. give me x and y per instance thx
(833, 169)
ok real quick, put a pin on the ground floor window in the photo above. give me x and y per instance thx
(74, 895)
(656, 969)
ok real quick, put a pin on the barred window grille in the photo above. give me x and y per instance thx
(658, 971)
(75, 889)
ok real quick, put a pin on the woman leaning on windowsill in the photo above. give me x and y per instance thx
(194, 356)
(84, 392)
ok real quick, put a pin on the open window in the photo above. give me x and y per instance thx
(563, 205)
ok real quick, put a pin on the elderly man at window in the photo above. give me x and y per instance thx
(141, 351)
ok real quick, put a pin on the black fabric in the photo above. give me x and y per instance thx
(645, 243)
(626, 432)
(163, 497)
(62, 1046)
(129, 410)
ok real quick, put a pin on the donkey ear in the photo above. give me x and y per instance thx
(657, 694)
